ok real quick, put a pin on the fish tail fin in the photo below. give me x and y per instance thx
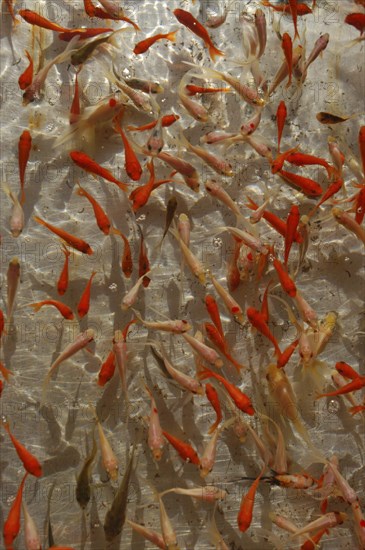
(214, 52)
(171, 36)
(36, 306)
(205, 373)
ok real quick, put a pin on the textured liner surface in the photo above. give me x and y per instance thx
(332, 278)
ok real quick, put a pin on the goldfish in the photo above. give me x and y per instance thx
(71, 240)
(244, 517)
(12, 524)
(145, 44)
(301, 8)
(207, 459)
(277, 223)
(356, 20)
(240, 399)
(257, 320)
(278, 162)
(283, 70)
(166, 120)
(302, 159)
(34, 18)
(221, 344)
(218, 192)
(286, 281)
(168, 533)
(155, 434)
(84, 303)
(319, 46)
(185, 451)
(62, 282)
(26, 77)
(24, 147)
(83, 33)
(281, 114)
(309, 187)
(213, 398)
(93, 11)
(83, 493)
(65, 311)
(80, 342)
(346, 370)
(356, 384)
(209, 493)
(127, 263)
(333, 188)
(287, 47)
(12, 276)
(132, 164)
(86, 163)
(116, 515)
(195, 109)
(292, 225)
(75, 109)
(107, 369)
(186, 19)
(141, 194)
(120, 350)
(102, 219)
(213, 311)
(81, 55)
(30, 462)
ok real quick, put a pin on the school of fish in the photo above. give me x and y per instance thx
(195, 333)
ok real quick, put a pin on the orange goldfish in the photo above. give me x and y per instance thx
(186, 19)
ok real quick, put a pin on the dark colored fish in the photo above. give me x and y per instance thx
(83, 492)
(328, 118)
(115, 517)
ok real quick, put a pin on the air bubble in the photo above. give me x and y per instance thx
(113, 287)
(141, 218)
(333, 406)
(217, 242)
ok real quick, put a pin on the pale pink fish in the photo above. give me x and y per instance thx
(349, 223)
(339, 381)
(251, 125)
(217, 191)
(183, 227)
(207, 459)
(148, 534)
(233, 307)
(34, 89)
(359, 523)
(121, 357)
(17, 214)
(260, 24)
(195, 109)
(216, 136)
(110, 461)
(337, 156)
(156, 440)
(176, 326)
(181, 378)
(131, 296)
(191, 260)
(209, 493)
(168, 532)
(320, 45)
(249, 240)
(264, 452)
(218, 164)
(112, 7)
(80, 342)
(283, 523)
(283, 70)
(324, 522)
(31, 536)
(347, 491)
(259, 146)
(187, 170)
(250, 95)
(306, 311)
(207, 353)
